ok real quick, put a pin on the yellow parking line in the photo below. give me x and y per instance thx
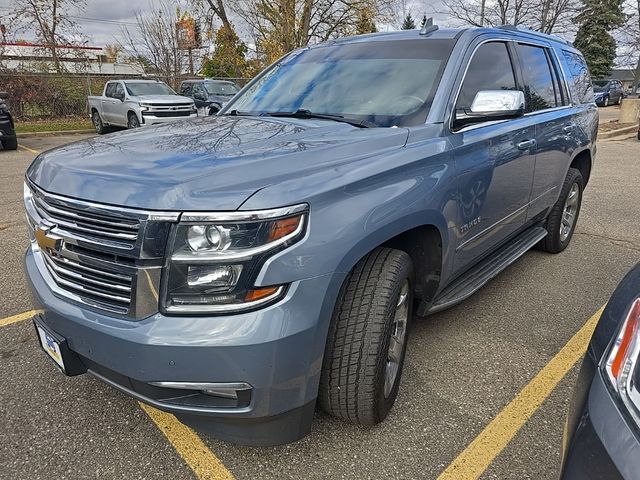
(28, 149)
(17, 318)
(189, 446)
(187, 443)
(479, 454)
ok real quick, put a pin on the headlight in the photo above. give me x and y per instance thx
(621, 367)
(144, 106)
(214, 259)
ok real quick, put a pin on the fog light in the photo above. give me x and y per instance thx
(214, 276)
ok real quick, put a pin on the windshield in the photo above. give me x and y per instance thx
(220, 88)
(600, 85)
(385, 83)
(151, 88)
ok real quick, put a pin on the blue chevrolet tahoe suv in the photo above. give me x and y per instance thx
(240, 269)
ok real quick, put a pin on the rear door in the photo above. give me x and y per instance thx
(495, 160)
(547, 103)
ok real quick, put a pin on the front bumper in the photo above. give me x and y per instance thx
(277, 351)
(150, 119)
(604, 445)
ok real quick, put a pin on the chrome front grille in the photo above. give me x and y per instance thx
(106, 289)
(100, 227)
(108, 258)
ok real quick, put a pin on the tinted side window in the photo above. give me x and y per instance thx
(490, 69)
(580, 83)
(110, 88)
(540, 90)
(185, 89)
(118, 91)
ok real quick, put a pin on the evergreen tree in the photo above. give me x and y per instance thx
(229, 56)
(408, 23)
(596, 19)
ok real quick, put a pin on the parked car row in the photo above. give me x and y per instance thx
(134, 103)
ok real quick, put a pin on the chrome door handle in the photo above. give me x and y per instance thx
(569, 128)
(527, 144)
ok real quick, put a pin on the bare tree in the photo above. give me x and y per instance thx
(280, 26)
(154, 42)
(548, 16)
(51, 21)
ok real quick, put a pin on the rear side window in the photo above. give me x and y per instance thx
(490, 69)
(541, 90)
(580, 84)
(185, 89)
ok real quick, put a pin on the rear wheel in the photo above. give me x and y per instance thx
(367, 338)
(606, 101)
(562, 220)
(97, 123)
(132, 120)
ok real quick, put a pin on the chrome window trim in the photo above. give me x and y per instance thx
(514, 39)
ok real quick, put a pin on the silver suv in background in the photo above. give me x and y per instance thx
(133, 103)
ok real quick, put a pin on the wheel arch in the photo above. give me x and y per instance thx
(425, 242)
(583, 162)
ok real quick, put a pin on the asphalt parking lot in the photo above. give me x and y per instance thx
(464, 366)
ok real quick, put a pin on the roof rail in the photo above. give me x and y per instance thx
(428, 27)
(517, 28)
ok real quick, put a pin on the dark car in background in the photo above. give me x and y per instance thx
(8, 137)
(602, 434)
(209, 95)
(608, 92)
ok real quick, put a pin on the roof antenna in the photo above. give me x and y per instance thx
(428, 27)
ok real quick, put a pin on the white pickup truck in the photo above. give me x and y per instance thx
(133, 103)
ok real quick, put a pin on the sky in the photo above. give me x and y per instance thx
(102, 20)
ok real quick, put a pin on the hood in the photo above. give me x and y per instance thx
(211, 163)
(163, 99)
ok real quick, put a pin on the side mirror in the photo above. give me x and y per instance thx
(491, 105)
(4, 95)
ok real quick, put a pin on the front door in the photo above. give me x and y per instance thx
(495, 161)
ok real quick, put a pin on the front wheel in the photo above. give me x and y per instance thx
(10, 143)
(132, 121)
(562, 220)
(367, 338)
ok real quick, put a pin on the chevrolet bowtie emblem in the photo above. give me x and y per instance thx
(46, 241)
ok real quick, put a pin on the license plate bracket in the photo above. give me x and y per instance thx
(57, 349)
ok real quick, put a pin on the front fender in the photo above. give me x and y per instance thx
(348, 222)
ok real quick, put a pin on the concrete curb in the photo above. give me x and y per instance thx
(52, 134)
(619, 131)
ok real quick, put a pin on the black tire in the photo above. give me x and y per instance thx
(555, 241)
(97, 123)
(352, 385)
(10, 143)
(213, 110)
(132, 120)
(605, 103)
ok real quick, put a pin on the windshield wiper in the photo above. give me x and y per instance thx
(304, 113)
